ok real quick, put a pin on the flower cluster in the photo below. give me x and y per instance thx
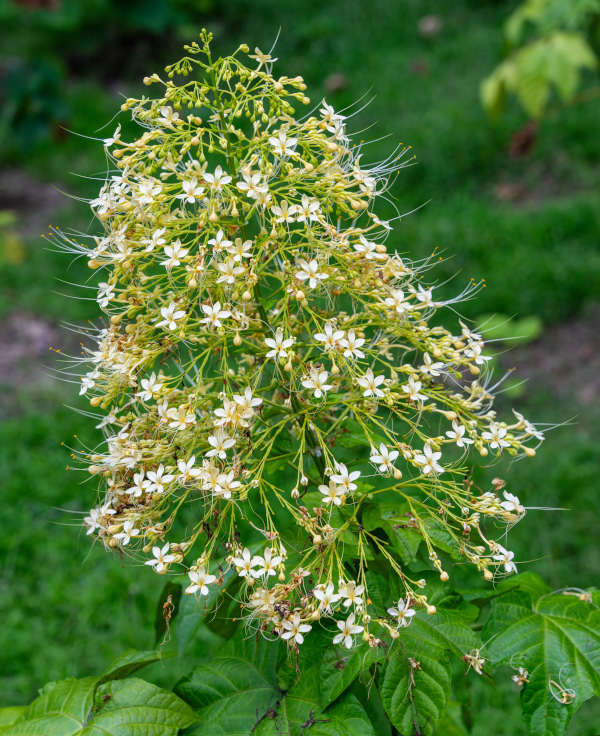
(271, 372)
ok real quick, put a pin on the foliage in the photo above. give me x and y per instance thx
(554, 58)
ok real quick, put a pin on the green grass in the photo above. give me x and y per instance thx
(67, 607)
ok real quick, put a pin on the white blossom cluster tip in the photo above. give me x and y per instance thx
(270, 367)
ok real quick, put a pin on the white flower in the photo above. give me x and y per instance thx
(88, 382)
(425, 296)
(181, 417)
(148, 190)
(217, 180)
(332, 493)
(369, 250)
(309, 271)
(429, 368)
(512, 503)
(170, 316)
(348, 628)
(384, 458)
(151, 388)
(245, 563)
(429, 460)
(282, 145)
(155, 241)
(326, 597)
(505, 557)
(220, 242)
(240, 250)
(191, 191)
(284, 212)
(167, 116)
(246, 402)
(267, 565)
(108, 142)
(330, 337)
(229, 271)
(138, 487)
(187, 471)
(129, 530)
(162, 558)
(220, 443)
(403, 613)
(294, 629)
(214, 314)
(279, 346)
(317, 381)
(105, 293)
(495, 436)
(262, 58)
(252, 185)
(174, 253)
(345, 479)
(352, 345)
(412, 388)
(308, 209)
(331, 118)
(200, 580)
(398, 301)
(352, 594)
(457, 433)
(157, 480)
(226, 483)
(370, 382)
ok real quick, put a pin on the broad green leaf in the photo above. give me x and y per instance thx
(81, 708)
(229, 694)
(557, 639)
(131, 662)
(416, 681)
(11, 714)
(365, 691)
(347, 717)
(451, 723)
(135, 706)
(393, 519)
(340, 667)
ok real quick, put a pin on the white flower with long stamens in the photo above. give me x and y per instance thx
(226, 483)
(181, 417)
(214, 314)
(252, 185)
(495, 436)
(344, 478)
(370, 383)
(352, 594)
(148, 190)
(217, 180)
(220, 442)
(429, 367)
(347, 630)
(369, 250)
(309, 271)
(294, 629)
(105, 293)
(425, 296)
(505, 558)
(229, 271)
(245, 564)
(129, 531)
(192, 191)
(168, 116)
(457, 433)
(511, 503)
(188, 470)
(384, 458)
(332, 493)
(412, 389)
(284, 212)
(267, 564)
(428, 460)
(331, 339)
(170, 316)
(151, 388)
(279, 345)
(326, 597)
(317, 382)
(162, 558)
(240, 250)
(201, 579)
(174, 253)
(139, 487)
(156, 240)
(247, 402)
(352, 344)
(156, 480)
(403, 613)
(282, 145)
(307, 210)
(220, 242)
(114, 138)
(398, 302)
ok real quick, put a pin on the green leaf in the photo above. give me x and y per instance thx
(416, 681)
(131, 662)
(346, 718)
(229, 694)
(557, 639)
(451, 723)
(392, 518)
(135, 706)
(11, 714)
(339, 669)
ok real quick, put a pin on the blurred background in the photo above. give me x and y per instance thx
(499, 100)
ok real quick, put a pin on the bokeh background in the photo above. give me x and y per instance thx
(503, 200)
